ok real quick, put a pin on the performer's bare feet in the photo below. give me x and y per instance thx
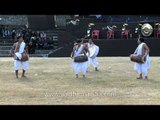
(16, 74)
(146, 77)
(140, 77)
(23, 73)
(84, 76)
(23, 76)
(96, 69)
(76, 75)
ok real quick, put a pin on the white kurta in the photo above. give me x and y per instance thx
(142, 68)
(79, 66)
(18, 63)
(21, 50)
(92, 61)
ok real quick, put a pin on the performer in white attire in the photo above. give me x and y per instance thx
(142, 50)
(20, 54)
(93, 59)
(79, 50)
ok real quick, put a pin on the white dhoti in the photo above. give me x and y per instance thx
(80, 66)
(77, 66)
(18, 63)
(93, 61)
(143, 68)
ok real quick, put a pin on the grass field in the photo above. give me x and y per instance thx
(51, 81)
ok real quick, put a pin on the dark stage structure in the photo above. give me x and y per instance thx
(41, 22)
(117, 47)
(110, 47)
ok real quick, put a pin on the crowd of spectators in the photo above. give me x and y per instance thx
(35, 40)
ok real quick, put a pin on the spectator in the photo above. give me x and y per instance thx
(40, 44)
(13, 33)
(50, 43)
(34, 42)
(27, 38)
(43, 35)
(46, 46)
(6, 32)
(1, 31)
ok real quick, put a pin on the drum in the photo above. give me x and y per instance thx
(94, 50)
(83, 58)
(136, 58)
(24, 57)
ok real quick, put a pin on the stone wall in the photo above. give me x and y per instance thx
(13, 20)
(60, 20)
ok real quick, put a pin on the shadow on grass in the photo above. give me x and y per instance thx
(152, 80)
(26, 79)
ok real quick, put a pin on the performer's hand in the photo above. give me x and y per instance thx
(130, 55)
(143, 58)
(71, 57)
